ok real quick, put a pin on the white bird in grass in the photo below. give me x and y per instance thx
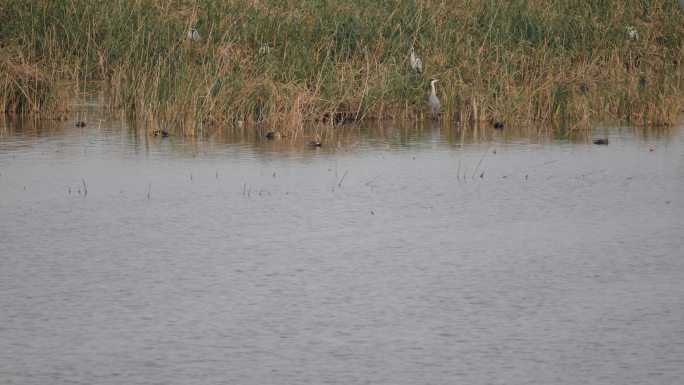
(632, 33)
(433, 101)
(416, 63)
(193, 34)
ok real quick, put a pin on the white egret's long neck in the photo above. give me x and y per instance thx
(432, 84)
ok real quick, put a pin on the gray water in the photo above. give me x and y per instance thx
(391, 255)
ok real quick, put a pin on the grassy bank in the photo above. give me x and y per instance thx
(284, 63)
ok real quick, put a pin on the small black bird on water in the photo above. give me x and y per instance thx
(601, 141)
(315, 143)
(80, 124)
(162, 133)
(498, 125)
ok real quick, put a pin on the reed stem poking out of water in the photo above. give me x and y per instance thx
(285, 63)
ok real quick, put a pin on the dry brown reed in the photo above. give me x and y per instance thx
(521, 62)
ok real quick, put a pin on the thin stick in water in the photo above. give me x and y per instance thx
(345, 174)
(544, 164)
(478, 163)
(459, 169)
(367, 183)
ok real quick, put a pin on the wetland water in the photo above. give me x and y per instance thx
(236, 260)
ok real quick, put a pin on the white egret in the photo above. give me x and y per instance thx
(416, 63)
(264, 49)
(193, 35)
(632, 33)
(433, 102)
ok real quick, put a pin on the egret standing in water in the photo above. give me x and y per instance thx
(434, 103)
(416, 63)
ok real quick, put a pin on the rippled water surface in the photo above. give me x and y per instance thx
(390, 255)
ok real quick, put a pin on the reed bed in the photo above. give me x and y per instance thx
(282, 64)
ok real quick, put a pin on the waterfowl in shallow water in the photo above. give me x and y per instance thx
(162, 133)
(433, 101)
(80, 124)
(601, 141)
(498, 125)
(209, 121)
(315, 143)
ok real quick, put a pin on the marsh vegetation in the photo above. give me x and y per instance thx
(285, 63)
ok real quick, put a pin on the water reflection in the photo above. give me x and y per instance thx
(387, 134)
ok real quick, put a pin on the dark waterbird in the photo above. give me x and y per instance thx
(601, 141)
(162, 133)
(80, 124)
(498, 125)
(315, 143)
(271, 135)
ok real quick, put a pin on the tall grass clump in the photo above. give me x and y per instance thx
(283, 63)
